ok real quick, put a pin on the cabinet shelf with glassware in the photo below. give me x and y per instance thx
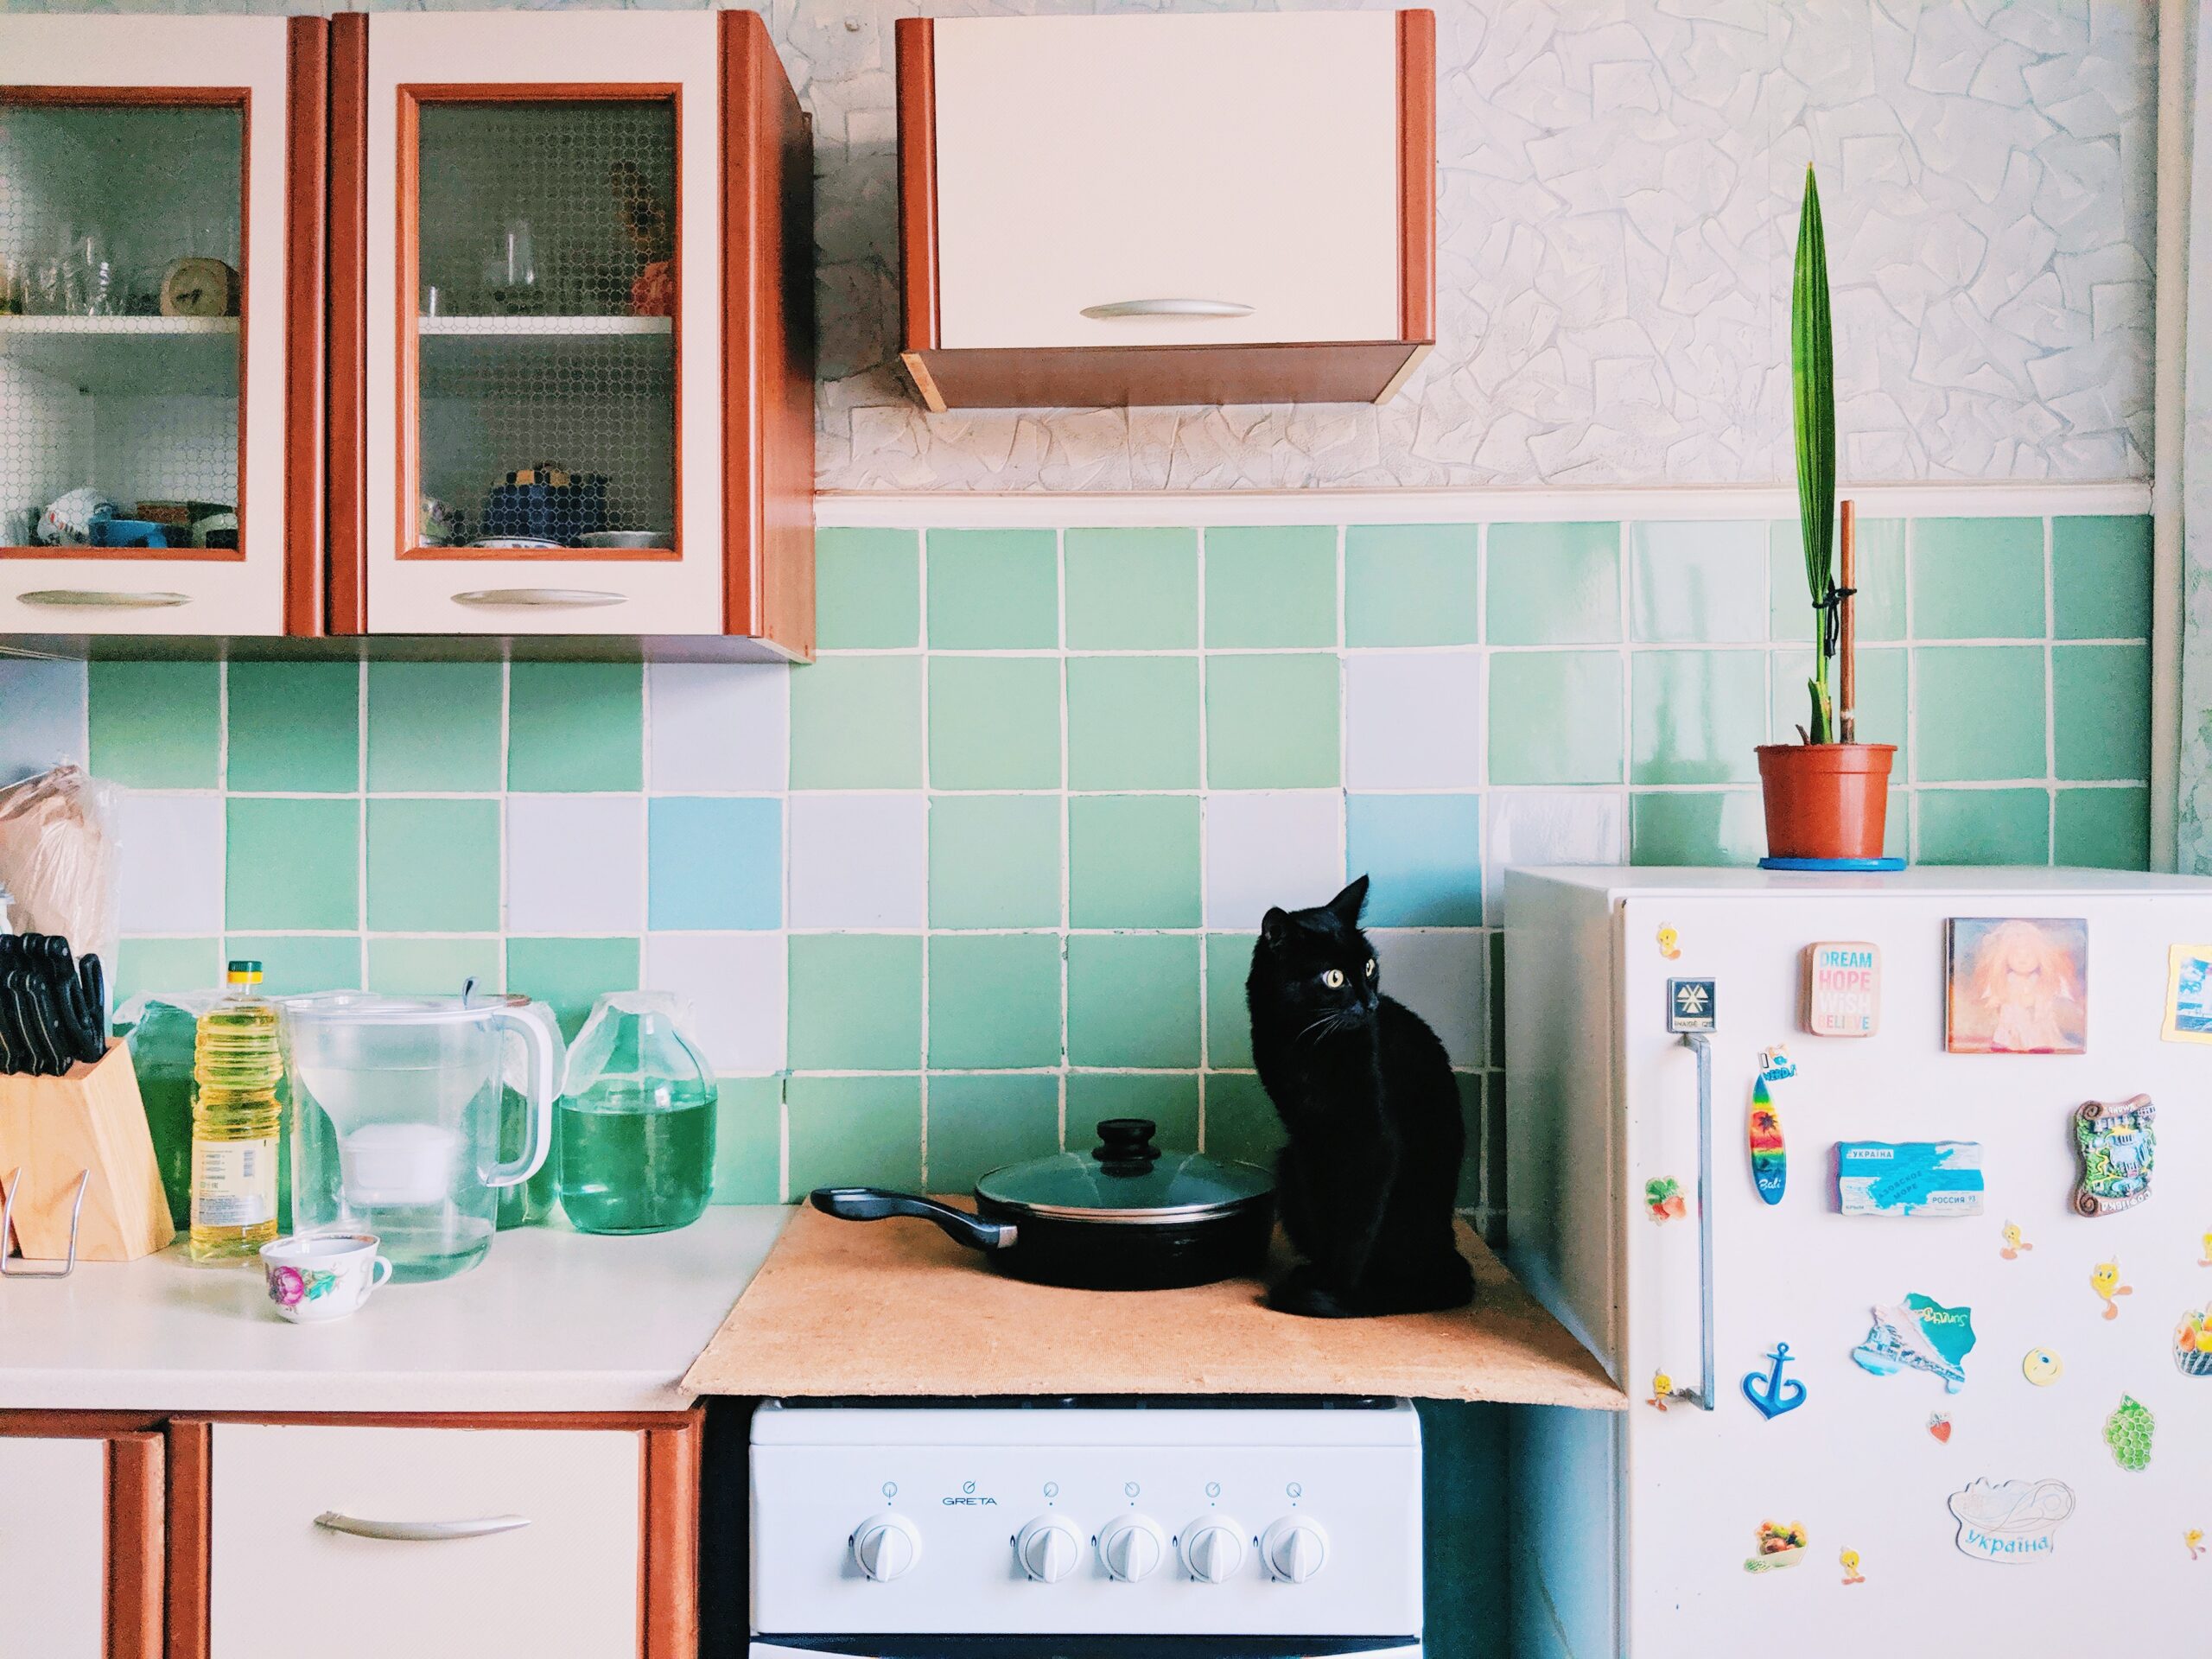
(159, 324)
(580, 400)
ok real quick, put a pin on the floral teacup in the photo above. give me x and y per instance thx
(318, 1276)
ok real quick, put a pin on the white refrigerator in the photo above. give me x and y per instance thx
(2044, 1488)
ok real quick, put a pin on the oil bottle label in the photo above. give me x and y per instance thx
(234, 1183)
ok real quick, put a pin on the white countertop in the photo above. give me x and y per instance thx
(552, 1320)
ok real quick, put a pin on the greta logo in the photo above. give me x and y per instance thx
(967, 1498)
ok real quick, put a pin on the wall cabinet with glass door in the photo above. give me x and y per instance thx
(579, 398)
(161, 357)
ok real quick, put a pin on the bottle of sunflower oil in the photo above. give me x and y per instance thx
(237, 1063)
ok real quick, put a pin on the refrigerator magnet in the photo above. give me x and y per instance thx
(2014, 1244)
(1907, 1178)
(1919, 1334)
(2118, 1144)
(2011, 1521)
(2128, 1431)
(2017, 985)
(1848, 1560)
(1843, 988)
(2189, 994)
(1770, 1391)
(1939, 1425)
(1663, 1390)
(1769, 1159)
(1779, 1546)
(1670, 944)
(2104, 1279)
(1776, 1065)
(1663, 1200)
(2193, 1542)
(2041, 1367)
(1689, 1005)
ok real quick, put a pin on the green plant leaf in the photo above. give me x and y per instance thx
(1812, 385)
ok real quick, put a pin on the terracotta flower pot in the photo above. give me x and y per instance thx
(1826, 800)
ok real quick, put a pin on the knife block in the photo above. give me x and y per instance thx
(89, 1122)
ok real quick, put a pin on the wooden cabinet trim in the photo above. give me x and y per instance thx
(916, 40)
(191, 1444)
(136, 1495)
(346, 320)
(668, 1603)
(1416, 179)
(307, 144)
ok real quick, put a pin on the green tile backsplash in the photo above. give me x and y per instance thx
(990, 869)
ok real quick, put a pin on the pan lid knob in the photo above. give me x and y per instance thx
(1126, 1141)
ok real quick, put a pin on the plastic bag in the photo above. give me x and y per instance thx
(609, 1042)
(58, 857)
(158, 1027)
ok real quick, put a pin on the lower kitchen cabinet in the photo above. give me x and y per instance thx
(564, 1537)
(81, 1540)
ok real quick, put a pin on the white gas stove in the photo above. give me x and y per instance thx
(1058, 1528)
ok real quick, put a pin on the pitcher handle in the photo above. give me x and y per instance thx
(537, 1083)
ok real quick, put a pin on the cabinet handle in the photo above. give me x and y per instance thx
(419, 1532)
(543, 598)
(1167, 308)
(95, 599)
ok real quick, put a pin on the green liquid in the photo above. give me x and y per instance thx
(633, 1161)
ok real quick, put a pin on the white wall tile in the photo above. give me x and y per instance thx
(718, 727)
(41, 716)
(1443, 977)
(858, 860)
(1412, 720)
(735, 983)
(1266, 847)
(1548, 826)
(575, 863)
(171, 863)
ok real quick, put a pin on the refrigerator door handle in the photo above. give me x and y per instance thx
(1700, 1045)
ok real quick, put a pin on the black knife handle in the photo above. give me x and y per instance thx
(94, 978)
(25, 996)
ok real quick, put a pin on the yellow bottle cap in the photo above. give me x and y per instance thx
(243, 973)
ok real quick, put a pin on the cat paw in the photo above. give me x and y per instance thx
(1301, 1293)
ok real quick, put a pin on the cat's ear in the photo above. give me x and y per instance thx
(1274, 926)
(1348, 904)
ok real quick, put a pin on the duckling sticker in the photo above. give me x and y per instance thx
(1849, 1562)
(2118, 1147)
(2015, 1242)
(1670, 944)
(2011, 1521)
(2104, 1279)
(2193, 1344)
(1919, 1334)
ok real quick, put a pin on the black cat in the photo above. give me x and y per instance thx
(1366, 1185)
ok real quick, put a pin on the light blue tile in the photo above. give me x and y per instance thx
(44, 716)
(1422, 856)
(714, 863)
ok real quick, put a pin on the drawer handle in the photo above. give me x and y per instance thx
(1167, 308)
(545, 598)
(419, 1532)
(94, 599)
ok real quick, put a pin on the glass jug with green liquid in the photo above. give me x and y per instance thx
(634, 1127)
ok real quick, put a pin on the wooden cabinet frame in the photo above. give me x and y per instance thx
(1114, 375)
(668, 1563)
(132, 1618)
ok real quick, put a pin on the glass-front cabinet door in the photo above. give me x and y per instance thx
(543, 416)
(148, 288)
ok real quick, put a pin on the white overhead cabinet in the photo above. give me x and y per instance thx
(1160, 209)
(157, 289)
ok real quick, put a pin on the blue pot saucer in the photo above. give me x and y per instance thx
(1835, 865)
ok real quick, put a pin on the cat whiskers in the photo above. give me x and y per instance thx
(1327, 1025)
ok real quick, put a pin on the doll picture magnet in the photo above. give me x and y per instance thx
(2017, 985)
(2119, 1145)
(2189, 994)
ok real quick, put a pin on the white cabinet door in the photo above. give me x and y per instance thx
(556, 179)
(1248, 161)
(54, 1547)
(364, 1543)
(127, 144)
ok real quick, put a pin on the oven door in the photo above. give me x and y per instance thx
(1086, 1647)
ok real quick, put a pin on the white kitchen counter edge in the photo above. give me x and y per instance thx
(552, 1321)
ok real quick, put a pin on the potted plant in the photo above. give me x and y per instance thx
(1827, 795)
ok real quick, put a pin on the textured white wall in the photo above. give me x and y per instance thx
(1618, 204)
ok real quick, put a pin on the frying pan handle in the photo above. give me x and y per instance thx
(876, 1203)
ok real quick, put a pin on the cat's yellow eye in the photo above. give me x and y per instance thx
(1371, 967)
(1334, 979)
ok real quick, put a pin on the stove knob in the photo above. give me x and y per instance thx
(1213, 1549)
(1047, 1549)
(886, 1546)
(1132, 1547)
(1294, 1548)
